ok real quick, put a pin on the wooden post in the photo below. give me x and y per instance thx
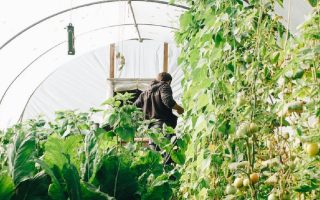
(165, 57)
(112, 55)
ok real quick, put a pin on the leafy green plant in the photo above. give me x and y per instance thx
(71, 158)
(123, 117)
(7, 186)
(246, 81)
(20, 157)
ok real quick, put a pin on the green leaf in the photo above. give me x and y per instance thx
(90, 156)
(90, 192)
(116, 178)
(313, 184)
(280, 2)
(203, 100)
(55, 190)
(146, 161)
(158, 189)
(313, 3)
(114, 119)
(56, 149)
(6, 186)
(298, 75)
(185, 20)
(21, 157)
(72, 178)
(99, 132)
(178, 157)
(200, 124)
(109, 101)
(171, 2)
(275, 57)
(218, 39)
(125, 133)
(35, 188)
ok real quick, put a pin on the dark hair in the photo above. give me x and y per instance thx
(164, 76)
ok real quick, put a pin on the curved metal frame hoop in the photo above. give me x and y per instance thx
(81, 6)
(51, 48)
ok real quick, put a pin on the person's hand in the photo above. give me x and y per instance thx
(180, 110)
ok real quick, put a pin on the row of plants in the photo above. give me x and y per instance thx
(73, 158)
(250, 130)
(252, 102)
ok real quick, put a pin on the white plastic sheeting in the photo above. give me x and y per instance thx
(294, 13)
(82, 83)
(37, 54)
(33, 49)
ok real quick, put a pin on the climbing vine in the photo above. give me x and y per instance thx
(251, 93)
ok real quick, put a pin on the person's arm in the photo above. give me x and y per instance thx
(139, 101)
(179, 109)
(167, 98)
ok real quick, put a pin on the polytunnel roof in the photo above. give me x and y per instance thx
(33, 39)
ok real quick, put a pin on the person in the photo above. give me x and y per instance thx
(157, 103)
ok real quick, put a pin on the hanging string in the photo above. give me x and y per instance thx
(288, 25)
(121, 20)
(70, 15)
(141, 59)
(118, 39)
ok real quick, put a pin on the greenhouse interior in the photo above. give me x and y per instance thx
(160, 100)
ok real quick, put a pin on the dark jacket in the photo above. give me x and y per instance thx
(157, 103)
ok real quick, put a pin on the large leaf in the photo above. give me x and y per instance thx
(116, 178)
(178, 156)
(90, 156)
(6, 186)
(21, 157)
(185, 20)
(307, 186)
(280, 2)
(158, 189)
(56, 149)
(148, 160)
(313, 3)
(203, 100)
(90, 192)
(125, 133)
(72, 179)
(35, 188)
(55, 192)
(55, 189)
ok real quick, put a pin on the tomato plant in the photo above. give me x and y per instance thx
(250, 129)
(251, 91)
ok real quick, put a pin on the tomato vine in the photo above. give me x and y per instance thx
(242, 70)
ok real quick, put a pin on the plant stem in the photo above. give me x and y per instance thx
(116, 180)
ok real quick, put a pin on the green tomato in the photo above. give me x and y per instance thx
(240, 100)
(312, 149)
(238, 182)
(242, 130)
(253, 128)
(247, 58)
(246, 182)
(230, 189)
(272, 196)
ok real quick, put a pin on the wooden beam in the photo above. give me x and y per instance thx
(112, 55)
(165, 57)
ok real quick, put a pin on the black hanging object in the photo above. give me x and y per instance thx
(71, 50)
